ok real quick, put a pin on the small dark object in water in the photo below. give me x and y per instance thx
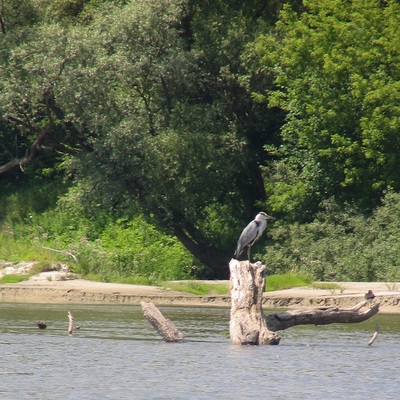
(41, 325)
(369, 295)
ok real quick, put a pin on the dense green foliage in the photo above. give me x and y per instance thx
(99, 248)
(141, 136)
(341, 244)
(336, 71)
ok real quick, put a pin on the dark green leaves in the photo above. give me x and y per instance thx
(336, 68)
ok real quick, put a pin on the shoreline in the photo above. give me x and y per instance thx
(79, 291)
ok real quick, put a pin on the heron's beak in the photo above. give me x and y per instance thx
(270, 218)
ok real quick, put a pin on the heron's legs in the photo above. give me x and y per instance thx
(248, 253)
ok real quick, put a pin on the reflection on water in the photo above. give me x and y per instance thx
(116, 354)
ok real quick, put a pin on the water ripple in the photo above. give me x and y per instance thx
(116, 354)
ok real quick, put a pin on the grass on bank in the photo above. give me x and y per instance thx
(273, 282)
(200, 288)
(13, 278)
(286, 281)
(21, 250)
(328, 286)
(129, 280)
(197, 287)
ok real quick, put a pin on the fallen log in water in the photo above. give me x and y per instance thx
(166, 329)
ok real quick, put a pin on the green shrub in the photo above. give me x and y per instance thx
(341, 244)
(97, 246)
(198, 287)
(136, 248)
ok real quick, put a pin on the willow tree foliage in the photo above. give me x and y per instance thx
(158, 108)
(336, 74)
(32, 120)
(171, 129)
(145, 105)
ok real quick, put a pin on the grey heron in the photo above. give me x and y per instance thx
(252, 233)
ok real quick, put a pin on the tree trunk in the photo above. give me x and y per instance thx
(249, 325)
(30, 154)
(248, 322)
(206, 254)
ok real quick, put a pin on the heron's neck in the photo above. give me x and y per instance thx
(261, 224)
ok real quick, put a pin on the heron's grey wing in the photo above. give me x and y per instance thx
(247, 237)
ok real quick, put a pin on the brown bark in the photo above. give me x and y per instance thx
(30, 154)
(2, 24)
(166, 329)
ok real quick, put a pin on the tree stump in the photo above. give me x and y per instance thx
(248, 322)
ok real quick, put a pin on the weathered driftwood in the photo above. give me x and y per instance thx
(249, 324)
(320, 316)
(166, 329)
(71, 323)
(375, 335)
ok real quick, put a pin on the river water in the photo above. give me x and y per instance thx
(116, 354)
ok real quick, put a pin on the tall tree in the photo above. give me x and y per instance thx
(336, 74)
(173, 128)
(161, 98)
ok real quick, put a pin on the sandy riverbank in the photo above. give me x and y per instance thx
(81, 291)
